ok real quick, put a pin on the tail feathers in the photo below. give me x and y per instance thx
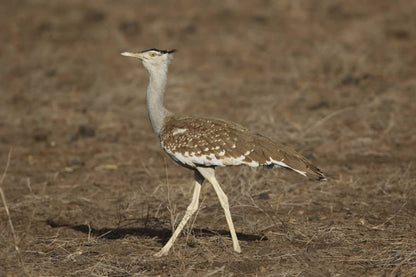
(302, 166)
(283, 156)
(315, 173)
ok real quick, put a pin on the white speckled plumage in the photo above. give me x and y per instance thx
(194, 142)
(205, 143)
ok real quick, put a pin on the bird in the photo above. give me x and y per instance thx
(203, 144)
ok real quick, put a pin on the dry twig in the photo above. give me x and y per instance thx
(3, 198)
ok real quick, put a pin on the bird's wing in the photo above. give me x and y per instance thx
(202, 141)
(214, 142)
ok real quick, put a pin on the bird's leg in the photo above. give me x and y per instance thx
(192, 208)
(209, 174)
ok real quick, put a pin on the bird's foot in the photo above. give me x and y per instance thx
(237, 248)
(162, 252)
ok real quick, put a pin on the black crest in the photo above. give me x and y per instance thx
(160, 51)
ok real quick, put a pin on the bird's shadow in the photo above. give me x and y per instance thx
(162, 233)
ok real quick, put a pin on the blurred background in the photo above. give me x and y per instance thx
(91, 192)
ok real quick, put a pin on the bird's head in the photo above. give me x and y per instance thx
(152, 59)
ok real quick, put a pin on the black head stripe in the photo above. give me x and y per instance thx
(160, 51)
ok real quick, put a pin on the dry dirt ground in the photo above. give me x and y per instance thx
(90, 193)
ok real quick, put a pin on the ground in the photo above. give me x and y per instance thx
(90, 192)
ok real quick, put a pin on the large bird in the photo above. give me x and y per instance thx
(202, 144)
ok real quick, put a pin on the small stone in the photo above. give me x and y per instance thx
(86, 131)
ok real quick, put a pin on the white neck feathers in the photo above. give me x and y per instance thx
(154, 97)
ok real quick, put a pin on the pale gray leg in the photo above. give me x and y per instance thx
(192, 208)
(209, 174)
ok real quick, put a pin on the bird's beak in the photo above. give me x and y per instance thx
(134, 55)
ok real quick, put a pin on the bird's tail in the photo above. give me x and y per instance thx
(298, 163)
(315, 173)
(279, 155)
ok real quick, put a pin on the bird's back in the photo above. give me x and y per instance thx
(198, 141)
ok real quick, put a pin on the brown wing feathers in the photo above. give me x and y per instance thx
(213, 142)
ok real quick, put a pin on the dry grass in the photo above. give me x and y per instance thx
(90, 193)
(9, 218)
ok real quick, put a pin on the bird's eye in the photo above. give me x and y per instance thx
(153, 54)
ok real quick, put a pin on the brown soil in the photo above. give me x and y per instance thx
(90, 192)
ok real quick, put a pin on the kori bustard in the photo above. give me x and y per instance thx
(202, 144)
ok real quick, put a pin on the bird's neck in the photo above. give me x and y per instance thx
(154, 98)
